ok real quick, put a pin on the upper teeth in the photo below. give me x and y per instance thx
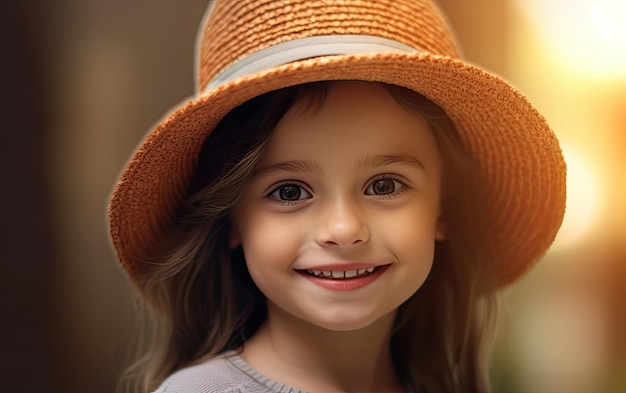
(341, 273)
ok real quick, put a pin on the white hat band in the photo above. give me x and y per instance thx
(305, 48)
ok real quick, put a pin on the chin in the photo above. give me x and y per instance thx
(350, 323)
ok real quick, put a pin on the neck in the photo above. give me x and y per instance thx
(308, 357)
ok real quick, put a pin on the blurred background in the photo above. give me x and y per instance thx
(84, 80)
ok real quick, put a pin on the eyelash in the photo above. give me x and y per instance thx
(397, 180)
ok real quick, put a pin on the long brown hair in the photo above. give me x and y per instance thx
(201, 300)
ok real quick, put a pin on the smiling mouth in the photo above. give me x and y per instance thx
(342, 274)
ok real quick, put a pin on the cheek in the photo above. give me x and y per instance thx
(416, 256)
(415, 240)
(416, 253)
(267, 241)
(410, 228)
(411, 237)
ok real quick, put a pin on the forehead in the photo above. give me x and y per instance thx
(352, 118)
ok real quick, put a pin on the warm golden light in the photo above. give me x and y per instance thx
(586, 35)
(583, 200)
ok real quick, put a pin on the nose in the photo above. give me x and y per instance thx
(341, 224)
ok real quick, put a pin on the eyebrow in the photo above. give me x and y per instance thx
(386, 159)
(302, 166)
(290, 166)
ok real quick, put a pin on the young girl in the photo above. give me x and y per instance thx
(336, 209)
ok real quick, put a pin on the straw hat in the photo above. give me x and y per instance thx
(249, 47)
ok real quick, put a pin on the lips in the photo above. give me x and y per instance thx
(342, 274)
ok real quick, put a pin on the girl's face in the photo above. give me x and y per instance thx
(339, 221)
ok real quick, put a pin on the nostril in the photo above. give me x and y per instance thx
(333, 243)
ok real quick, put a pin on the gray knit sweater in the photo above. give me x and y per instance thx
(228, 373)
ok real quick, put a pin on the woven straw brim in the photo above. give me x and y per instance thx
(514, 147)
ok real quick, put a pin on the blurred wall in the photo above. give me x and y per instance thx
(86, 79)
(115, 68)
(91, 77)
(25, 246)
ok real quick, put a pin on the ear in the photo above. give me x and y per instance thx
(440, 228)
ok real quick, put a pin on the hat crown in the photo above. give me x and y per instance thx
(235, 29)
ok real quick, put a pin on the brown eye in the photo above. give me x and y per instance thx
(290, 192)
(383, 186)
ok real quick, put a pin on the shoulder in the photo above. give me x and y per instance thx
(227, 373)
(213, 376)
